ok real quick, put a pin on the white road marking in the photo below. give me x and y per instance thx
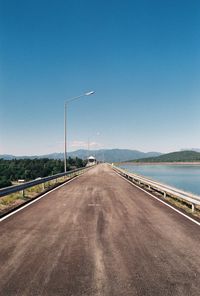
(93, 205)
(41, 196)
(186, 216)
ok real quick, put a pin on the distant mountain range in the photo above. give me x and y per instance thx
(108, 155)
(178, 156)
(121, 155)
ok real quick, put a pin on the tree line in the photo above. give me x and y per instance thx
(30, 169)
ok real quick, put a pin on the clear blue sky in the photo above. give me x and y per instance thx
(141, 57)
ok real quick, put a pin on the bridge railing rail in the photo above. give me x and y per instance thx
(21, 187)
(166, 190)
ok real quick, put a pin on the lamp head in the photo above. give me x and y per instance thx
(89, 93)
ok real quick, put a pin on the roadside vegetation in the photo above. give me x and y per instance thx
(29, 169)
(11, 201)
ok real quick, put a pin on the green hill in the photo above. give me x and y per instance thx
(179, 156)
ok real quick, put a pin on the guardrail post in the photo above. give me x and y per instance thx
(164, 194)
(43, 186)
(22, 193)
(193, 207)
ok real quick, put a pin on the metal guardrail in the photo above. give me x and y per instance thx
(12, 189)
(166, 190)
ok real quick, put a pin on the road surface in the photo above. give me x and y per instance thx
(99, 235)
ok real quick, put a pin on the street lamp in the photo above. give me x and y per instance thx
(65, 124)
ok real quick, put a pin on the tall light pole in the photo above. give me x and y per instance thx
(65, 124)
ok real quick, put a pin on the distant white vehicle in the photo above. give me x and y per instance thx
(21, 181)
(38, 178)
(91, 161)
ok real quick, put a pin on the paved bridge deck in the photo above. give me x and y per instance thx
(99, 235)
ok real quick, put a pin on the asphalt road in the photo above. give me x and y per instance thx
(99, 235)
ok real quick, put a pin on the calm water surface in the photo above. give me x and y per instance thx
(185, 177)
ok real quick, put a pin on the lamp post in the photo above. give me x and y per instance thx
(65, 124)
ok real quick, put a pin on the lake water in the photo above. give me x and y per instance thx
(185, 177)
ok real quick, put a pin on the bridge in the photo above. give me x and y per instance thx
(99, 235)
